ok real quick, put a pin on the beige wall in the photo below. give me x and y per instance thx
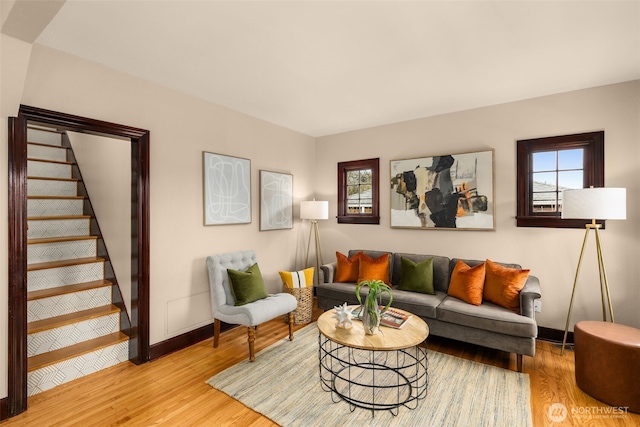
(101, 160)
(181, 128)
(551, 254)
(14, 61)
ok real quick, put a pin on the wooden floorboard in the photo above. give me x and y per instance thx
(171, 391)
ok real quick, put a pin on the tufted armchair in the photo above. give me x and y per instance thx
(250, 315)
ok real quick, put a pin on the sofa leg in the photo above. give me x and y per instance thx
(216, 333)
(519, 358)
(252, 338)
(291, 326)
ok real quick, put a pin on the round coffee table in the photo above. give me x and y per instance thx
(376, 372)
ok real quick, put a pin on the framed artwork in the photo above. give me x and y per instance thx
(451, 192)
(227, 189)
(276, 200)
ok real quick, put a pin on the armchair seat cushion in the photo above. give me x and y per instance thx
(487, 316)
(257, 312)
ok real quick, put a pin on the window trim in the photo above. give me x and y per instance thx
(593, 144)
(344, 217)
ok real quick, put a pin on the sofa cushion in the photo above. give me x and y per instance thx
(347, 268)
(502, 285)
(339, 292)
(416, 277)
(373, 255)
(441, 272)
(467, 283)
(374, 269)
(486, 316)
(423, 305)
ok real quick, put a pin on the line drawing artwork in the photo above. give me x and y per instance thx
(227, 189)
(276, 200)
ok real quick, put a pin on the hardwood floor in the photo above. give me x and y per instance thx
(171, 391)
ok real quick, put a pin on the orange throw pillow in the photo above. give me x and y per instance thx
(347, 268)
(374, 269)
(467, 283)
(502, 285)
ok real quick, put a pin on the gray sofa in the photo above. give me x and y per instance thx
(488, 325)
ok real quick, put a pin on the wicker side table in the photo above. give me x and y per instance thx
(304, 312)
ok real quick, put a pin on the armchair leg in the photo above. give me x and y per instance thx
(252, 337)
(216, 333)
(519, 358)
(291, 326)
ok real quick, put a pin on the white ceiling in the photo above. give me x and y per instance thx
(323, 67)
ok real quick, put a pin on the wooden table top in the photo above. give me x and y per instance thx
(411, 334)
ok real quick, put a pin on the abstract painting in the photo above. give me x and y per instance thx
(453, 192)
(227, 189)
(276, 200)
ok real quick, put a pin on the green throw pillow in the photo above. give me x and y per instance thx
(247, 286)
(416, 277)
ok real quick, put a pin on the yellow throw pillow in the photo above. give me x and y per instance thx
(374, 269)
(502, 285)
(347, 268)
(297, 279)
(467, 283)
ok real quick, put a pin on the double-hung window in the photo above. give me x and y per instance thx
(358, 192)
(547, 166)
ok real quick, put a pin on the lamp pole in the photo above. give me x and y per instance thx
(604, 283)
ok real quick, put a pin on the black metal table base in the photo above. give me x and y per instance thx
(377, 380)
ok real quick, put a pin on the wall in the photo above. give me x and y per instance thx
(13, 67)
(551, 254)
(101, 160)
(181, 127)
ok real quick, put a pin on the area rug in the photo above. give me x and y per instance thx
(283, 385)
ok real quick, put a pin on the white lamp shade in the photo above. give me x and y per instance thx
(594, 203)
(314, 210)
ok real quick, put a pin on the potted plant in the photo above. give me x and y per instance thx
(371, 308)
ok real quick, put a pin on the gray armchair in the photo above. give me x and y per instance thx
(250, 315)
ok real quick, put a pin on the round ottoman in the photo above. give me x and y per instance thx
(608, 363)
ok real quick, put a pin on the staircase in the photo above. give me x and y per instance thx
(74, 329)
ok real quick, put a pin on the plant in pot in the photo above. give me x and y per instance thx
(371, 311)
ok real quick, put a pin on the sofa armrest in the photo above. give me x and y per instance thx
(529, 293)
(328, 271)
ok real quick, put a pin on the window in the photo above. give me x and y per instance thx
(358, 195)
(547, 166)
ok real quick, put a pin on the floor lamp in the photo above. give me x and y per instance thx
(591, 203)
(314, 210)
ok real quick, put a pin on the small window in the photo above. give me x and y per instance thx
(358, 198)
(547, 166)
